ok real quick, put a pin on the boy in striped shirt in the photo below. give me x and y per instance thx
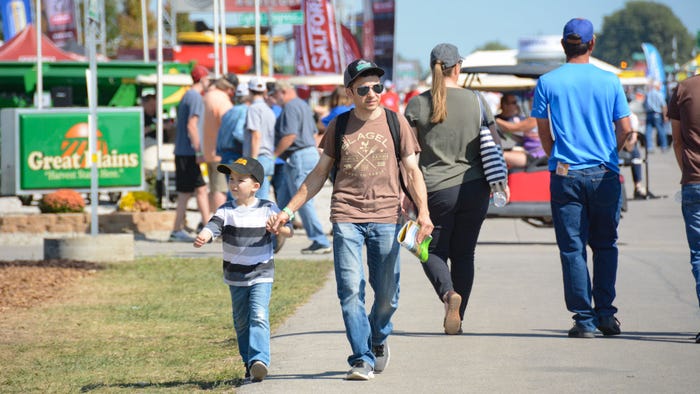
(249, 267)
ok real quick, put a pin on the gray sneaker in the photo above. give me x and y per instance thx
(180, 236)
(382, 356)
(316, 248)
(360, 371)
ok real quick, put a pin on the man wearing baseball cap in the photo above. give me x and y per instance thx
(365, 212)
(259, 141)
(584, 102)
(188, 154)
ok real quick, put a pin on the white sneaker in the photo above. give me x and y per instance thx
(180, 236)
(360, 371)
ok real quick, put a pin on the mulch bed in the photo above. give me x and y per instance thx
(24, 284)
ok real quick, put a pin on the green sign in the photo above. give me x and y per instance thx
(54, 149)
(278, 18)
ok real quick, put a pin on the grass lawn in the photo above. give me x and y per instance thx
(159, 324)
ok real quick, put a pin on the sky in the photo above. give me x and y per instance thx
(469, 24)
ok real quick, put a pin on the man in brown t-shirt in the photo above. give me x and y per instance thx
(684, 112)
(365, 210)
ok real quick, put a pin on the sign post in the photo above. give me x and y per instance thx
(91, 75)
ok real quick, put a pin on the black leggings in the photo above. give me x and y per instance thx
(457, 214)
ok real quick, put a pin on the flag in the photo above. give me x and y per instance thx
(16, 14)
(317, 44)
(655, 65)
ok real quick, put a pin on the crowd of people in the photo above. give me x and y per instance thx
(272, 155)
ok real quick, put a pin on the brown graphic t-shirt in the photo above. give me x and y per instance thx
(366, 187)
(685, 107)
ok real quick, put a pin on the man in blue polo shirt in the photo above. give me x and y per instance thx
(584, 102)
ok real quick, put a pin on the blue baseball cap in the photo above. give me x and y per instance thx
(578, 29)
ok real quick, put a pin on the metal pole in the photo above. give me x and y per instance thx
(39, 61)
(216, 39)
(224, 41)
(78, 27)
(91, 75)
(173, 25)
(270, 44)
(258, 68)
(339, 35)
(103, 29)
(144, 31)
(159, 102)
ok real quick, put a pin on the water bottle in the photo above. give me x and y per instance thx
(499, 195)
(678, 197)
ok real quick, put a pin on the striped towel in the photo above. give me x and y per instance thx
(492, 159)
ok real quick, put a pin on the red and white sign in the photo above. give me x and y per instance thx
(317, 42)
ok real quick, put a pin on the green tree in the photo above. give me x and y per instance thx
(625, 30)
(130, 28)
(492, 46)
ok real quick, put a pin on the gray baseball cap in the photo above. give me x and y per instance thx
(447, 54)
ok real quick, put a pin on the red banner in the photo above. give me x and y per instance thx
(317, 46)
(350, 46)
(60, 18)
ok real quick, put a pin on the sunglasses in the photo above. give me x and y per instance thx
(364, 90)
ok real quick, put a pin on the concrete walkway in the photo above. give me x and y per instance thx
(515, 329)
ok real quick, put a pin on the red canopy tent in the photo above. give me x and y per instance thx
(22, 47)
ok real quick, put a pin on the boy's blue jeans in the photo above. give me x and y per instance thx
(690, 207)
(384, 269)
(586, 211)
(251, 320)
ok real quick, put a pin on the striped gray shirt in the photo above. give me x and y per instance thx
(247, 246)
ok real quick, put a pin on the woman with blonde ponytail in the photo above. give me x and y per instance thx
(447, 120)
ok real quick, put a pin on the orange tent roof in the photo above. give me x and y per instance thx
(22, 47)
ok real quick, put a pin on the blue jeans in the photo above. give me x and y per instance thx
(384, 271)
(586, 211)
(279, 183)
(251, 320)
(690, 207)
(655, 120)
(268, 164)
(298, 166)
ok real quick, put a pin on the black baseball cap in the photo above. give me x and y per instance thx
(244, 166)
(359, 68)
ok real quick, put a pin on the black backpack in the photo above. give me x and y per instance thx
(341, 124)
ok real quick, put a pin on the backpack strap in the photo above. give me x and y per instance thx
(341, 123)
(395, 129)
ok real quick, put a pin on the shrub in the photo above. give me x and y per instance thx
(62, 201)
(138, 202)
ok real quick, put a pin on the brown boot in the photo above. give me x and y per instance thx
(452, 323)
